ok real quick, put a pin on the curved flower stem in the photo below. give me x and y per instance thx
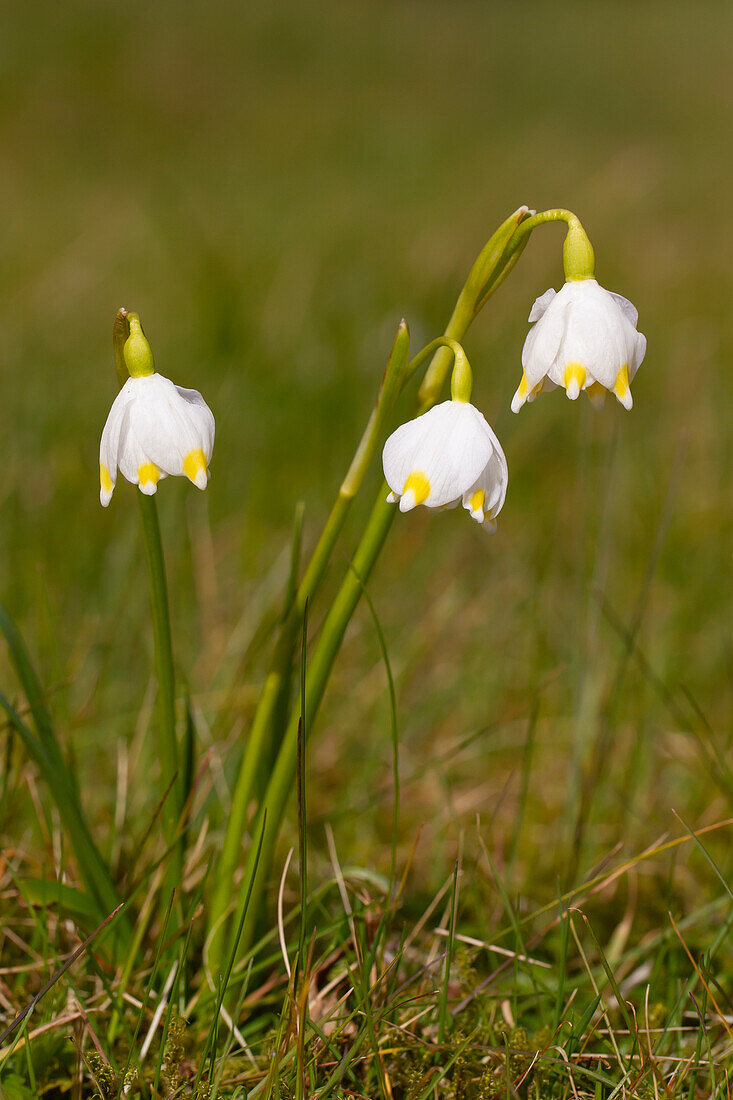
(430, 350)
(443, 350)
(555, 214)
(488, 272)
(578, 257)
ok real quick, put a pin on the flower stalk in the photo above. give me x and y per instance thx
(577, 251)
(279, 788)
(489, 271)
(129, 352)
(261, 734)
(487, 274)
(398, 373)
(164, 670)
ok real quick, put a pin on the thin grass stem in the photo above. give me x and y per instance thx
(302, 812)
(443, 1011)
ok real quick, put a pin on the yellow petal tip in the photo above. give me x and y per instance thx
(194, 467)
(521, 395)
(148, 476)
(415, 490)
(104, 479)
(621, 387)
(574, 377)
(476, 505)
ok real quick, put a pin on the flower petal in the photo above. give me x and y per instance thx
(109, 444)
(598, 336)
(134, 463)
(201, 417)
(154, 429)
(638, 356)
(485, 498)
(172, 427)
(629, 311)
(543, 340)
(584, 337)
(540, 305)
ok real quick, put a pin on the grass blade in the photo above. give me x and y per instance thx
(92, 867)
(443, 1015)
(302, 836)
(31, 686)
(223, 983)
(52, 981)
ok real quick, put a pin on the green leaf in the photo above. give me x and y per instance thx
(92, 867)
(31, 685)
(67, 899)
(14, 1088)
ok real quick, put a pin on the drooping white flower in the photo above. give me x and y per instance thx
(447, 456)
(155, 429)
(583, 338)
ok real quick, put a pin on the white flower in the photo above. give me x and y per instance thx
(447, 456)
(154, 429)
(584, 338)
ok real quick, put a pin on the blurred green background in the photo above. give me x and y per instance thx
(272, 187)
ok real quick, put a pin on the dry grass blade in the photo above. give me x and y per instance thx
(723, 1018)
(52, 981)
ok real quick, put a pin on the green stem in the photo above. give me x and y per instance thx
(167, 742)
(476, 290)
(578, 256)
(319, 667)
(262, 723)
(457, 354)
(396, 377)
(443, 351)
(166, 697)
(555, 214)
(484, 277)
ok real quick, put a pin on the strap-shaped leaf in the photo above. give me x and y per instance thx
(92, 867)
(69, 901)
(30, 683)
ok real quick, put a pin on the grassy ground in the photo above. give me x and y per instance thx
(273, 187)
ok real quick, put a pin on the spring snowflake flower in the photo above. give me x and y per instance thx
(583, 338)
(447, 456)
(155, 429)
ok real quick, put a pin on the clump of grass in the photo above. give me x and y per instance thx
(375, 1011)
(552, 968)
